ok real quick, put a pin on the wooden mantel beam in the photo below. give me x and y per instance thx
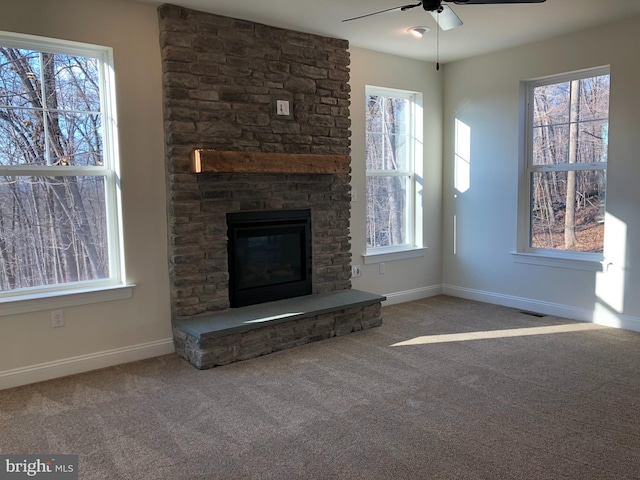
(213, 161)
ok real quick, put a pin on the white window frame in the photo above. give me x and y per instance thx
(525, 253)
(413, 221)
(78, 293)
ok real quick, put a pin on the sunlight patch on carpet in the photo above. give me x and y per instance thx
(514, 332)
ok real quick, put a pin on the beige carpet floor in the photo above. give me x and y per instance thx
(446, 388)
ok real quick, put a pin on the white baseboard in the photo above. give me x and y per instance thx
(600, 317)
(410, 295)
(84, 363)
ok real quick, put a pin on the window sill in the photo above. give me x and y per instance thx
(67, 298)
(389, 255)
(592, 264)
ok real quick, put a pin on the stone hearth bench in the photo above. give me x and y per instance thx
(247, 332)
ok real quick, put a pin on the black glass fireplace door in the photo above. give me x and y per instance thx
(269, 256)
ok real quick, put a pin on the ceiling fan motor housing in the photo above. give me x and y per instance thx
(432, 5)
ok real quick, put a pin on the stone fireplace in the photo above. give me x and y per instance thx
(223, 79)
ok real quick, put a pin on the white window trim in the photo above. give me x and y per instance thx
(63, 299)
(415, 248)
(80, 293)
(536, 256)
(593, 263)
(395, 253)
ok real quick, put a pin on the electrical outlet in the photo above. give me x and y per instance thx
(57, 318)
(356, 271)
(381, 268)
(354, 195)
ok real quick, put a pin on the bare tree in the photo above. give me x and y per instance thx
(570, 239)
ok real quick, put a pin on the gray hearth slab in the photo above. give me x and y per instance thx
(247, 318)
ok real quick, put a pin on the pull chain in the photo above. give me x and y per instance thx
(438, 43)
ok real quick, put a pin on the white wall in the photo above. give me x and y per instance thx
(110, 332)
(484, 94)
(416, 277)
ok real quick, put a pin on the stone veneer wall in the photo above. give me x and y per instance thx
(221, 79)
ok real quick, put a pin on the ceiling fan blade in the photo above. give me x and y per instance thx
(394, 9)
(447, 18)
(491, 2)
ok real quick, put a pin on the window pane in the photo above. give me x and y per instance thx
(397, 155)
(551, 104)
(386, 211)
(550, 145)
(594, 98)
(20, 84)
(77, 140)
(22, 137)
(374, 151)
(387, 152)
(571, 122)
(593, 140)
(562, 219)
(388, 129)
(373, 115)
(52, 231)
(71, 83)
(396, 112)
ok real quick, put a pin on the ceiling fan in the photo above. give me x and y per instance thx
(446, 18)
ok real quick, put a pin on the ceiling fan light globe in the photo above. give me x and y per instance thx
(418, 32)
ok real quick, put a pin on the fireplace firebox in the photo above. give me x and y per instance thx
(269, 255)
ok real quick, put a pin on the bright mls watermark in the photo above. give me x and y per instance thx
(50, 467)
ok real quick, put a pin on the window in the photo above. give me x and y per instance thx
(59, 222)
(566, 170)
(393, 128)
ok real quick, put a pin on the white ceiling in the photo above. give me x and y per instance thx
(486, 28)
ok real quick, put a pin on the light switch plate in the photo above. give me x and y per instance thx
(282, 107)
